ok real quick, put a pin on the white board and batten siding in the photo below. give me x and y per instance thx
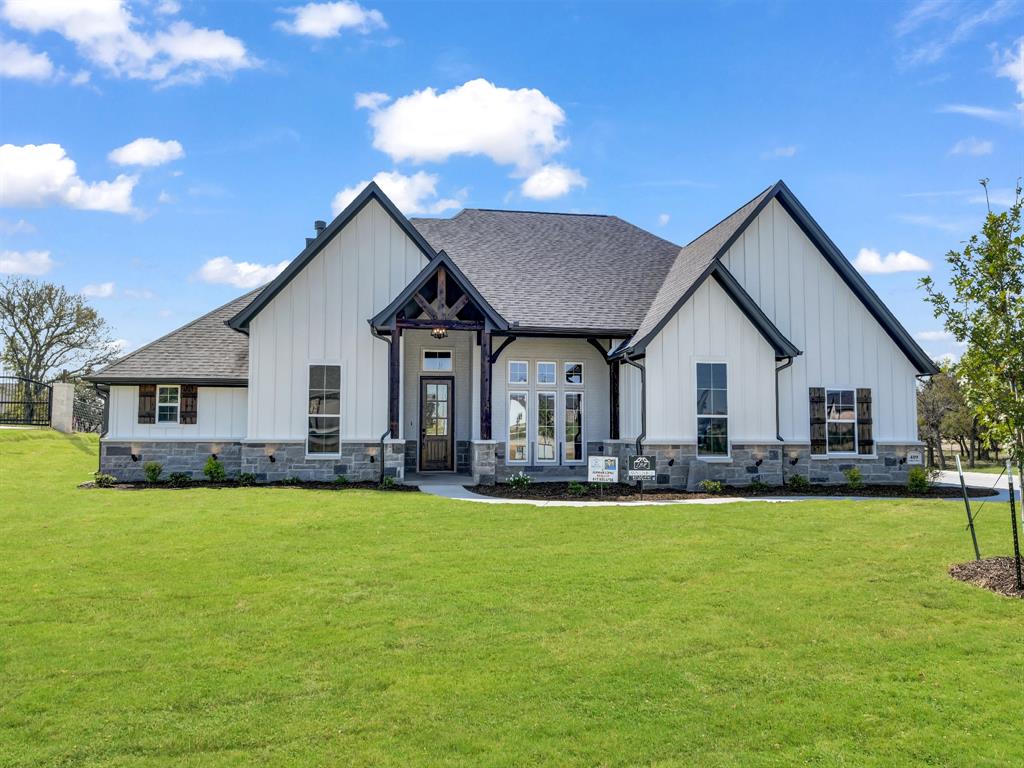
(321, 317)
(709, 328)
(842, 343)
(220, 415)
(560, 351)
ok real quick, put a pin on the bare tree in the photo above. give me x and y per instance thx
(47, 331)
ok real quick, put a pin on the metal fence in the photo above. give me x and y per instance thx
(25, 402)
(87, 415)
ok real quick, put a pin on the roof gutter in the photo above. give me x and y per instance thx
(778, 422)
(643, 401)
(380, 455)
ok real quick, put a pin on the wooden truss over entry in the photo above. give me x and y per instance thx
(439, 298)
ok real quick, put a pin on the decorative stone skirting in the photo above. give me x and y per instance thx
(462, 456)
(359, 461)
(482, 461)
(679, 467)
(411, 449)
(187, 457)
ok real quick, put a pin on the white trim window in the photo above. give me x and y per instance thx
(547, 449)
(841, 420)
(517, 449)
(712, 410)
(546, 373)
(436, 360)
(572, 428)
(518, 372)
(323, 434)
(573, 373)
(168, 403)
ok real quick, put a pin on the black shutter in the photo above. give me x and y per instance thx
(819, 446)
(189, 404)
(147, 403)
(865, 441)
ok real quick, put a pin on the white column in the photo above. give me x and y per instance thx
(63, 410)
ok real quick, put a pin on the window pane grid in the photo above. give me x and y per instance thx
(168, 400)
(574, 426)
(323, 431)
(517, 423)
(546, 426)
(841, 420)
(712, 409)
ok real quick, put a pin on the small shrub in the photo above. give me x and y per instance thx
(386, 483)
(758, 486)
(293, 480)
(711, 486)
(520, 481)
(214, 471)
(104, 481)
(577, 489)
(854, 478)
(179, 479)
(246, 479)
(798, 482)
(153, 470)
(341, 480)
(920, 479)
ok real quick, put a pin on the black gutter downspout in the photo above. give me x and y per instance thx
(390, 341)
(643, 401)
(778, 421)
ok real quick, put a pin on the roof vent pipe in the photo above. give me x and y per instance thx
(319, 225)
(309, 241)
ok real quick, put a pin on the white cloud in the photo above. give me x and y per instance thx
(512, 127)
(550, 181)
(25, 262)
(966, 20)
(323, 20)
(871, 262)
(98, 290)
(371, 100)
(663, 219)
(168, 8)
(1011, 65)
(241, 274)
(787, 151)
(107, 34)
(81, 77)
(37, 175)
(412, 194)
(139, 293)
(165, 197)
(982, 113)
(971, 146)
(148, 152)
(933, 336)
(20, 61)
(1001, 196)
(19, 227)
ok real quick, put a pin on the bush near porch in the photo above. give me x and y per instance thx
(247, 626)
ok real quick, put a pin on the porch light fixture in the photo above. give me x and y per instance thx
(213, 456)
(795, 460)
(439, 333)
(759, 462)
(272, 458)
(135, 457)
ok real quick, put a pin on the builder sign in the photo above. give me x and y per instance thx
(641, 468)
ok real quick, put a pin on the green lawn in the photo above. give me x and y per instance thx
(285, 627)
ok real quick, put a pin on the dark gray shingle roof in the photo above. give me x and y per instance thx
(692, 263)
(556, 270)
(204, 350)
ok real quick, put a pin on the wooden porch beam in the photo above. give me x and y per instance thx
(485, 384)
(452, 311)
(452, 325)
(394, 380)
(426, 306)
(442, 288)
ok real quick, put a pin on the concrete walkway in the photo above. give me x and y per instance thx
(450, 490)
(460, 493)
(978, 480)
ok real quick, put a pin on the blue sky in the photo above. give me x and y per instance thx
(263, 116)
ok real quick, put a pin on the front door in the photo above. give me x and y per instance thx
(436, 433)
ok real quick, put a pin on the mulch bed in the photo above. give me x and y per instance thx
(998, 574)
(142, 485)
(624, 492)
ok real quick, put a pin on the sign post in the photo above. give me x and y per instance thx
(641, 468)
(603, 469)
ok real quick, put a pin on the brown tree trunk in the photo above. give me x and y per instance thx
(942, 455)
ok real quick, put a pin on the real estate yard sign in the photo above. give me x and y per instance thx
(603, 469)
(641, 468)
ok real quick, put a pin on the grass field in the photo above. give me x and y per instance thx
(285, 627)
